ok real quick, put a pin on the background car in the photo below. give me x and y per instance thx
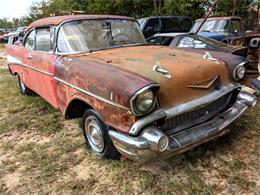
(232, 56)
(195, 41)
(164, 24)
(220, 28)
(17, 36)
(2, 33)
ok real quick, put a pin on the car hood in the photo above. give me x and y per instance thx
(187, 70)
(231, 60)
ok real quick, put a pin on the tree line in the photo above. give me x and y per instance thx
(246, 9)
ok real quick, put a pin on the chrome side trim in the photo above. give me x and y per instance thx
(15, 61)
(91, 94)
(187, 106)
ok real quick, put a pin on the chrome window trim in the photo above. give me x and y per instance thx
(57, 30)
(15, 61)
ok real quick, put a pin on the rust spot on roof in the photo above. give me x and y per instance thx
(56, 20)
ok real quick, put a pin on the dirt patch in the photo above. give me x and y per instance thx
(12, 180)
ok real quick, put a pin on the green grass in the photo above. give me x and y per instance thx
(50, 155)
(2, 46)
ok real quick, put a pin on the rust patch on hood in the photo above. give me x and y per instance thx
(186, 67)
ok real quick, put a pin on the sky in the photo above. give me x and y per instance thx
(15, 8)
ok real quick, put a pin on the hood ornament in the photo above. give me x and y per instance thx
(208, 56)
(158, 68)
(205, 84)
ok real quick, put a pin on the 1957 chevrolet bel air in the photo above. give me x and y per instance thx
(139, 100)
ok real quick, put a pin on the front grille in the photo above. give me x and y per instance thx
(193, 117)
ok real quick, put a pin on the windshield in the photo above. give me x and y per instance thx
(193, 41)
(211, 26)
(87, 35)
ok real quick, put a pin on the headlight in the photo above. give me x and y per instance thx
(144, 101)
(239, 72)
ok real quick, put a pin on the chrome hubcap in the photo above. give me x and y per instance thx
(94, 134)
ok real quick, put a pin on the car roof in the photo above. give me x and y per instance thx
(184, 17)
(220, 18)
(56, 20)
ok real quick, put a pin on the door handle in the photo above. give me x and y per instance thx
(29, 56)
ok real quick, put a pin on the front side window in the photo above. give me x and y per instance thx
(186, 24)
(43, 39)
(170, 25)
(39, 40)
(236, 27)
(87, 35)
(152, 25)
(30, 41)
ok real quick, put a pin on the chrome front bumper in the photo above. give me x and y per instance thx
(149, 144)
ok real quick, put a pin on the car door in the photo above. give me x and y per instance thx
(40, 60)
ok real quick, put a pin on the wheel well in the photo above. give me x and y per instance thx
(76, 109)
(225, 41)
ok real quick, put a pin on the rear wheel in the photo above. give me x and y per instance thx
(96, 134)
(24, 90)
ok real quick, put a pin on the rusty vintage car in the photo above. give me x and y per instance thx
(135, 99)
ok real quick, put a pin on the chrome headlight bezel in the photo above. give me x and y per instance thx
(149, 88)
(240, 67)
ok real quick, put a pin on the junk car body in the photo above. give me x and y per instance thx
(234, 57)
(252, 43)
(139, 100)
(220, 28)
(164, 24)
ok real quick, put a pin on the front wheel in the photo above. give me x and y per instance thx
(96, 135)
(23, 88)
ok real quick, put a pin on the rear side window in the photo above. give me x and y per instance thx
(186, 24)
(236, 25)
(43, 39)
(152, 25)
(170, 25)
